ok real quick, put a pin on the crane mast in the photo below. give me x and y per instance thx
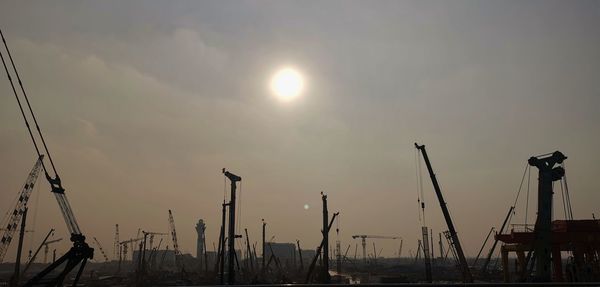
(174, 238)
(467, 277)
(116, 249)
(231, 234)
(549, 171)
(17, 214)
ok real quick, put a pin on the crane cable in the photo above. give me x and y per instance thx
(224, 188)
(35, 211)
(568, 196)
(30, 110)
(420, 192)
(238, 224)
(527, 200)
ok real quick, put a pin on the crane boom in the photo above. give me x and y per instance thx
(80, 252)
(15, 217)
(375, 236)
(468, 278)
(174, 237)
(364, 242)
(101, 249)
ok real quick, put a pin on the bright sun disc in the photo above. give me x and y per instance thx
(287, 83)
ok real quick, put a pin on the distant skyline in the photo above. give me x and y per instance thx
(144, 102)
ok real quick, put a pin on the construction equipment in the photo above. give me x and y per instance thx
(151, 237)
(318, 251)
(16, 275)
(32, 259)
(364, 242)
(325, 230)
(466, 272)
(47, 248)
(15, 217)
(231, 234)
(400, 249)
(178, 262)
(80, 252)
(488, 258)
(426, 255)
(249, 250)
(116, 246)
(264, 228)
(201, 255)
(549, 172)
(300, 255)
(129, 244)
(220, 262)
(482, 246)
(101, 249)
(152, 256)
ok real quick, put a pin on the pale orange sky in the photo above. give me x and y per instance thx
(143, 103)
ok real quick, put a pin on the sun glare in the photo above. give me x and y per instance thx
(287, 84)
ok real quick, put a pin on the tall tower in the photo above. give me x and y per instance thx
(201, 242)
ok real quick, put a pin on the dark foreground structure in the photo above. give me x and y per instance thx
(580, 237)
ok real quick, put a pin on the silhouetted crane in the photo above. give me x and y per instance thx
(129, 243)
(17, 213)
(80, 252)
(101, 249)
(467, 277)
(174, 238)
(364, 242)
(47, 248)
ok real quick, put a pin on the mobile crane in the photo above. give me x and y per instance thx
(466, 272)
(81, 251)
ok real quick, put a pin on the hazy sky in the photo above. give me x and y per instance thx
(143, 103)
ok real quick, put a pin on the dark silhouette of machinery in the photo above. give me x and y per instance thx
(363, 239)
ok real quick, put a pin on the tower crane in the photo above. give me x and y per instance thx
(101, 249)
(364, 242)
(17, 213)
(129, 243)
(47, 248)
(80, 252)
(151, 234)
(143, 255)
(467, 277)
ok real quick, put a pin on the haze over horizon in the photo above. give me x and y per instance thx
(143, 102)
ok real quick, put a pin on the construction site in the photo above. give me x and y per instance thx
(537, 241)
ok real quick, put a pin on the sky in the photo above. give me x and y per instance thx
(144, 102)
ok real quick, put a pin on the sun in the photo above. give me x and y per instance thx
(287, 84)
